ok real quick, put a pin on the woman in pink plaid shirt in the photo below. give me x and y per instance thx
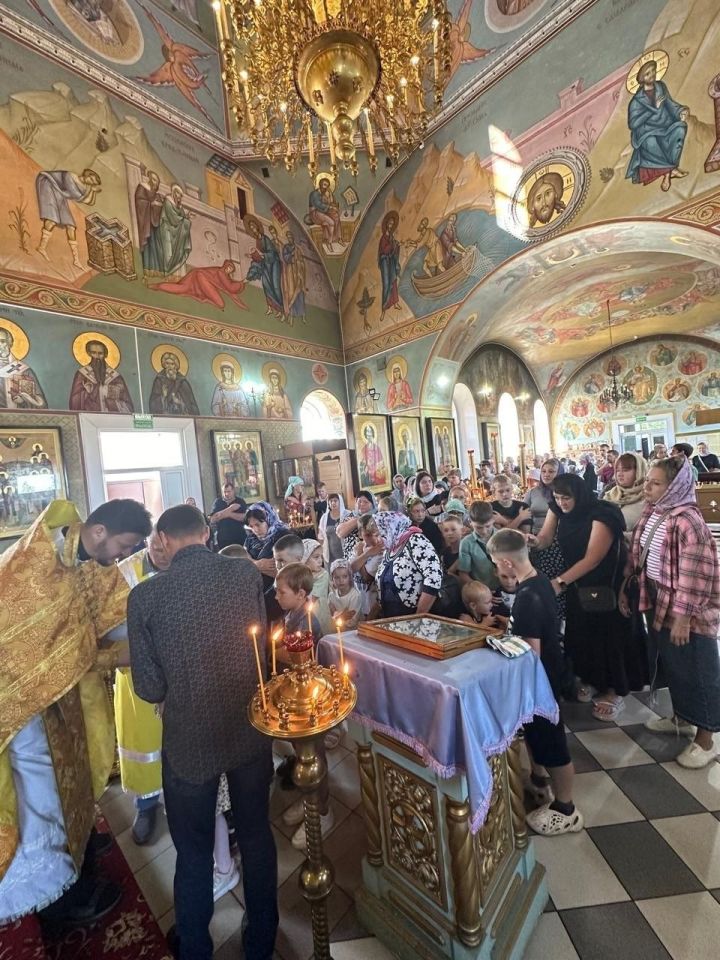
(680, 595)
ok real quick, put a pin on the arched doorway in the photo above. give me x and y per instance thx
(322, 417)
(465, 416)
(543, 441)
(509, 429)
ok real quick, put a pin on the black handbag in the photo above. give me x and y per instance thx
(601, 599)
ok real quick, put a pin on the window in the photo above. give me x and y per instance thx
(509, 427)
(543, 441)
(322, 417)
(465, 416)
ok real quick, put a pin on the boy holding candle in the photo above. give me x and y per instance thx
(293, 589)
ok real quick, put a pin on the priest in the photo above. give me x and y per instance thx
(62, 594)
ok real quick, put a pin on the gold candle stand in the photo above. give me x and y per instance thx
(301, 705)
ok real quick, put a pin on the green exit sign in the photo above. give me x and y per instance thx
(640, 419)
(143, 421)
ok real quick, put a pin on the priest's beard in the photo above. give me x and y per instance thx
(99, 368)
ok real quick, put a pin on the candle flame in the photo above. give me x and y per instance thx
(254, 630)
(338, 622)
(346, 667)
(277, 633)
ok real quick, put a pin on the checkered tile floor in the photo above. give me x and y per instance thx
(641, 882)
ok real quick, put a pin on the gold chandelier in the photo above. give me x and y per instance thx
(297, 71)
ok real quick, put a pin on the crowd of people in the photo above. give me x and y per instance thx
(603, 565)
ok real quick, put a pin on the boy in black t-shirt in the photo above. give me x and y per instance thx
(534, 618)
(507, 511)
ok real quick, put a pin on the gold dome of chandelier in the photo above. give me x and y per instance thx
(297, 69)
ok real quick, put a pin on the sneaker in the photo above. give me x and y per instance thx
(670, 725)
(551, 823)
(222, 882)
(143, 826)
(694, 757)
(294, 814)
(299, 840)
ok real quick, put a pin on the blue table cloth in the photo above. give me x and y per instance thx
(454, 713)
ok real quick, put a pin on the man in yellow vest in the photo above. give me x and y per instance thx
(62, 595)
(138, 723)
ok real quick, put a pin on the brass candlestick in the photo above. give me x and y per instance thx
(477, 491)
(302, 704)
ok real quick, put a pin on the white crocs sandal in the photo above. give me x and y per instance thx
(551, 823)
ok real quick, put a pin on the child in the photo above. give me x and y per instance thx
(293, 589)
(386, 504)
(344, 598)
(288, 549)
(474, 562)
(504, 596)
(535, 619)
(453, 532)
(235, 550)
(478, 601)
(313, 559)
(508, 512)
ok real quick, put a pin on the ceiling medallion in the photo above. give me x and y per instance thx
(617, 393)
(295, 70)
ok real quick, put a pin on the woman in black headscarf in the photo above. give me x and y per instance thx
(605, 652)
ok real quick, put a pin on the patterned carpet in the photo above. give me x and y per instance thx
(128, 933)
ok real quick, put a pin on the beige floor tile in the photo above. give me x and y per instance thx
(338, 808)
(634, 712)
(688, 925)
(696, 840)
(119, 812)
(289, 859)
(369, 948)
(113, 790)
(703, 784)
(578, 875)
(336, 756)
(155, 880)
(550, 941)
(137, 856)
(226, 920)
(345, 781)
(613, 748)
(166, 921)
(601, 801)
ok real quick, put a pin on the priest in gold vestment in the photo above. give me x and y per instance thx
(62, 593)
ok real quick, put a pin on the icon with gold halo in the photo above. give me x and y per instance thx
(97, 386)
(399, 394)
(19, 387)
(172, 394)
(550, 193)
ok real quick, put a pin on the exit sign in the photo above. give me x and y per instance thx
(143, 421)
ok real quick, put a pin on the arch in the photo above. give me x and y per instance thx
(541, 421)
(465, 416)
(322, 416)
(497, 308)
(509, 428)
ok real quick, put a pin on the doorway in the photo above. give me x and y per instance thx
(642, 433)
(157, 467)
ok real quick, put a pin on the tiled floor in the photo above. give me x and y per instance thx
(642, 881)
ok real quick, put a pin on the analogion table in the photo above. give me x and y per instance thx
(450, 870)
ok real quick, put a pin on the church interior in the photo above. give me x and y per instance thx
(491, 234)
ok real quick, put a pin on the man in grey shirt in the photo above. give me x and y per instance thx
(190, 650)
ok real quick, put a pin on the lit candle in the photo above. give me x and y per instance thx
(339, 624)
(254, 632)
(275, 637)
(309, 615)
(346, 678)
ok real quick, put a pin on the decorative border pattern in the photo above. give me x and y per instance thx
(76, 303)
(413, 330)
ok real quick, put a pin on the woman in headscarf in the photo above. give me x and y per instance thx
(265, 529)
(679, 585)
(548, 559)
(347, 530)
(606, 654)
(588, 473)
(295, 499)
(628, 491)
(327, 528)
(409, 575)
(426, 490)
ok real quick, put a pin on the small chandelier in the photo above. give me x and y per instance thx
(298, 70)
(616, 393)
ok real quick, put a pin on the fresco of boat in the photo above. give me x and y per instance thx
(444, 283)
